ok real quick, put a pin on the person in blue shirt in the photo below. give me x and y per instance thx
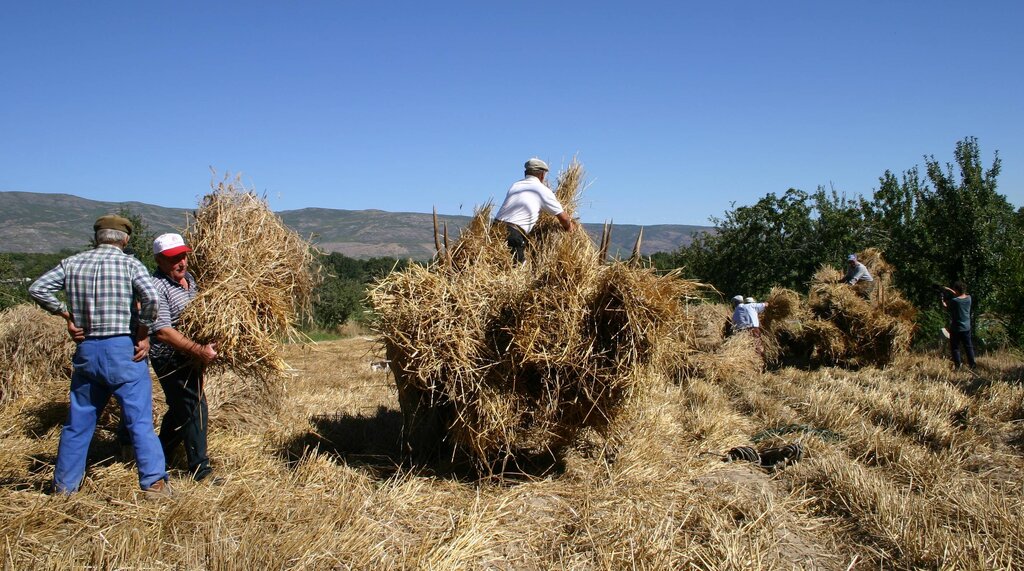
(958, 304)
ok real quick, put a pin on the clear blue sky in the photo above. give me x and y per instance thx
(676, 109)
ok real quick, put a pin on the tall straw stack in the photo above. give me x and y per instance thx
(256, 279)
(836, 325)
(493, 358)
(34, 348)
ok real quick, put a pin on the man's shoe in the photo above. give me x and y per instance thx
(160, 490)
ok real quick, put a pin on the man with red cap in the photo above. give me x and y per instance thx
(179, 361)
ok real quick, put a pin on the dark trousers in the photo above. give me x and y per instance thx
(516, 239)
(186, 421)
(956, 338)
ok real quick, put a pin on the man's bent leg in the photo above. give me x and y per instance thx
(954, 348)
(969, 349)
(187, 405)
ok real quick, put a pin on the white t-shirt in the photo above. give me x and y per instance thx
(745, 316)
(525, 200)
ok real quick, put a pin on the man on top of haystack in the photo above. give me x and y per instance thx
(102, 286)
(179, 361)
(858, 277)
(523, 204)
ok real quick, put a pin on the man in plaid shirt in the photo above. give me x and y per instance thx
(101, 286)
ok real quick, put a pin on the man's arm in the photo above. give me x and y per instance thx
(44, 291)
(148, 298)
(566, 222)
(174, 338)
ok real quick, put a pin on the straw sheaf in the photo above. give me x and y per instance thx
(34, 348)
(872, 331)
(527, 354)
(256, 278)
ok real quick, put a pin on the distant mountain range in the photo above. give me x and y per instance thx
(36, 222)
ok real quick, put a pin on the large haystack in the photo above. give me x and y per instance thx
(493, 358)
(256, 279)
(836, 325)
(34, 348)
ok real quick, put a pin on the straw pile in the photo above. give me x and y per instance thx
(493, 358)
(836, 326)
(34, 348)
(256, 279)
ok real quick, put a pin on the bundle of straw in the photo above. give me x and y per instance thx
(256, 279)
(493, 358)
(34, 348)
(873, 331)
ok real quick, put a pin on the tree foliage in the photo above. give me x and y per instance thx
(952, 224)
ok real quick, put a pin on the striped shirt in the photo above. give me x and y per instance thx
(100, 285)
(173, 299)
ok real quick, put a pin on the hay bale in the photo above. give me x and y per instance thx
(739, 356)
(256, 278)
(708, 324)
(783, 304)
(34, 348)
(873, 330)
(492, 358)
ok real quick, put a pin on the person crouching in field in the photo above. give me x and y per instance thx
(958, 303)
(745, 318)
(858, 277)
(523, 204)
(101, 286)
(179, 361)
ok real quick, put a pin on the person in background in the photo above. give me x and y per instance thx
(858, 277)
(746, 316)
(523, 204)
(958, 304)
(101, 286)
(179, 362)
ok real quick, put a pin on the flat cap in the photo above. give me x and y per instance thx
(536, 165)
(113, 222)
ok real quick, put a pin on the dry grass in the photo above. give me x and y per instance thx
(913, 466)
(34, 345)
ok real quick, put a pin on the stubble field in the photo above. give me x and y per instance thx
(913, 466)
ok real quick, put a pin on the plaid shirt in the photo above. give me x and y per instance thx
(173, 299)
(101, 285)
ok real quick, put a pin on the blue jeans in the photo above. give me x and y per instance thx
(104, 366)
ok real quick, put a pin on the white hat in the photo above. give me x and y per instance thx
(750, 300)
(536, 165)
(170, 245)
(737, 299)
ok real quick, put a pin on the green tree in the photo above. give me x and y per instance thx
(140, 244)
(13, 289)
(965, 222)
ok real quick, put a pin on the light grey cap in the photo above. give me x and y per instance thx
(737, 299)
(750, 300)
(536, 165)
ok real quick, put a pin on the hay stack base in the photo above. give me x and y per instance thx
(495, 359)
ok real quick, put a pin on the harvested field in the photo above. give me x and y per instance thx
(911, 466)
